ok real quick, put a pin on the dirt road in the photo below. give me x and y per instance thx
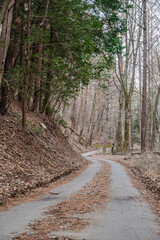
(125, 217)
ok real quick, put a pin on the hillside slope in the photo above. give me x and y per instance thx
(36, 158)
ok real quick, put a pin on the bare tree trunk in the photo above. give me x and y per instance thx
(3, 10)
(99, 123)
(144, 89)
(38, 80)
(74, 113)
(84, 115)
(3, 44)
(131, 131)
(80, 109)
(148, 144)
(119, 127)
(140, 90)
(47, 94)
(127, 118)
(92, 121)
(154, 119)
(105, 135)
(26, 78)
(6, 59)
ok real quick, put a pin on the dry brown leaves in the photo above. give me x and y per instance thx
(145, 174)
(63, 216)
(37, 158)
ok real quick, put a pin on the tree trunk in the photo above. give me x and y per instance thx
(47, 94)
(92, 121)
(84, 115)
(126, 132)
(119, 127)
(154, 119)
(148, 144)
(74, 114)
(79, 114)
(140, 91)
(131, 130)
(26, 77)
(38, 80)
(144, 88)
(105, 135)
(6, 60)
(4, 10)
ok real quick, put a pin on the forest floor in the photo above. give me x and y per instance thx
(32, 163)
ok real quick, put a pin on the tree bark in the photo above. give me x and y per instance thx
(3, 10)
(38, 80)
(92, 121)
(84, 115)
(74, 114)
(144, 88)
(6, 60)
(127, 118)
(119, 127)
(140, 91)
(26, 77)
(105, 135)
(154, 119)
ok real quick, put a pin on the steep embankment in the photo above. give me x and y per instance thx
(36, 158)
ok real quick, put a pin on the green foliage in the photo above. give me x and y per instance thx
(61, 122)
(37, 130)
(110, 137)
(72, 33)
(18, 115)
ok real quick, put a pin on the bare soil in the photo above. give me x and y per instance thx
(32, 160)
(64, 216)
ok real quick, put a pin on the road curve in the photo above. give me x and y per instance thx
(15, 220)
(126, 216)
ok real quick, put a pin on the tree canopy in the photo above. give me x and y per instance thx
(51, 49)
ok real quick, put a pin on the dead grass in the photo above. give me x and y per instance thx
(148, 163)
(147, 167)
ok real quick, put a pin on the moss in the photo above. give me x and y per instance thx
(100, 145)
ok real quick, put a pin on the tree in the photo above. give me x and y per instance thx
(3, 9)
(51, 51)
(144, 87)
(7, 55)
(125, 74)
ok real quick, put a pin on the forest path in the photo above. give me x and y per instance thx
(15, 220)
(126, 216)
